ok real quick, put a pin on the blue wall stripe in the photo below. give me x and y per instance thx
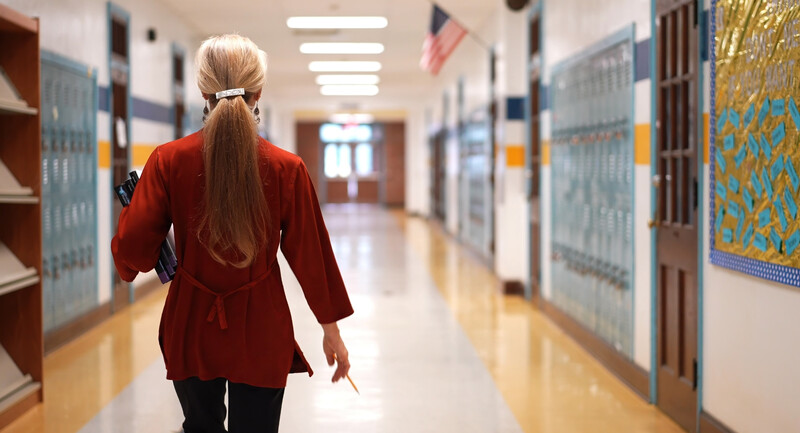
(142, 109)
(151, 111)
(544, 98)
(102, 94)
(515, 108)
(642, 57)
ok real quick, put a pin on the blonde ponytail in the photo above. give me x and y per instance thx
(235, 215)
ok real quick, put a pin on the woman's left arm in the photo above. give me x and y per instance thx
(144, 224)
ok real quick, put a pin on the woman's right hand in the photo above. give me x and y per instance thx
(335, 351)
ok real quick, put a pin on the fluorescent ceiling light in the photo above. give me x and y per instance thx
(337, 22)
(350, 118)
(347, 79)
(344, 90)
(341, 48)
(344, 66)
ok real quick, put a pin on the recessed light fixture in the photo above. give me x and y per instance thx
(346, 90)
(341, 48)
(347, 79)
(350, 118)
(347, 66)
(337, 22)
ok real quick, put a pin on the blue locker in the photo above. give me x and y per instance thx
(69, 166)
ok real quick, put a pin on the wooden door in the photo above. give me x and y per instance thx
(394, 153)
(676, 216)
(535, 160)
(120, 134)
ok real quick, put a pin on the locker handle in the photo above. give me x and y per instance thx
(46, 269)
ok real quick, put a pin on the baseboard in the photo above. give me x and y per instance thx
(709, 424)
(74, 329)
(513, 287)
(628, 372)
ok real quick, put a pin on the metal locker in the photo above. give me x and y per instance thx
(69, 220)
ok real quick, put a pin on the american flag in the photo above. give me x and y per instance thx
(443, 37)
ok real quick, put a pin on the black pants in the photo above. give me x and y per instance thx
(252, 409)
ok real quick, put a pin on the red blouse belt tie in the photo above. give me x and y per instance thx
(218, 308)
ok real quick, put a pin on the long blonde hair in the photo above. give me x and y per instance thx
(235, 216)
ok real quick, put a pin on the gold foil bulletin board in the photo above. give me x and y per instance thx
(755, 124)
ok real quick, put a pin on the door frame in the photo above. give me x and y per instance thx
(536, 9)
(112, 11)
(177, 50)
(701, 210)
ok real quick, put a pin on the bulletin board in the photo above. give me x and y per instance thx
(755, 128)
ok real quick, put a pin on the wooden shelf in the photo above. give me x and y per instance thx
(14, 385)
(19, 394)
(11, 107)
(10, 101)
(13, 21)
(21, 339)
(16, 199)
(9, 185)
(12, 271)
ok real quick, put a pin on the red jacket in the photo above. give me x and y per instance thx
(220, 321)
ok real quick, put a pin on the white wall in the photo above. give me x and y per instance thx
(78, 29)
(750, 333)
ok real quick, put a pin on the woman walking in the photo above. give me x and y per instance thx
(233, 199)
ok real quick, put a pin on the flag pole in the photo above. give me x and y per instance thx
(472, 34)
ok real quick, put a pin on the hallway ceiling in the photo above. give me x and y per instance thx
(402, 81)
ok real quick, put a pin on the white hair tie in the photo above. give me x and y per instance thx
(230, 92)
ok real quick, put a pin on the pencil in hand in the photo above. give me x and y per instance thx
(348, 377)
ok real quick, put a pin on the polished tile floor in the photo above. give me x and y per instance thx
(434, 348)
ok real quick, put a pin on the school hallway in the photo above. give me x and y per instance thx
(434, 347)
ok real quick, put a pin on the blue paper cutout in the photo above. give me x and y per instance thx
(729, 142)
(781, 214)
(733, 185)
(795, 180)
(791, 204)
(776, 239)
(721, 161)
(766, 147)
(764, 218)
(756, 184)
(778, 134)
(762, 113)
(748, 235)
(733, 116)
(792, 242)
(776, 169)
(767, 183)
(740, 155)
(748, 199)
(727, 236)
(718, 219)
(733, 209)
(795, 113)
(721, 191)
(749, 115)
(740, 225)
(760, 242)
(752, 144)
(778, 107)
(723, 116)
